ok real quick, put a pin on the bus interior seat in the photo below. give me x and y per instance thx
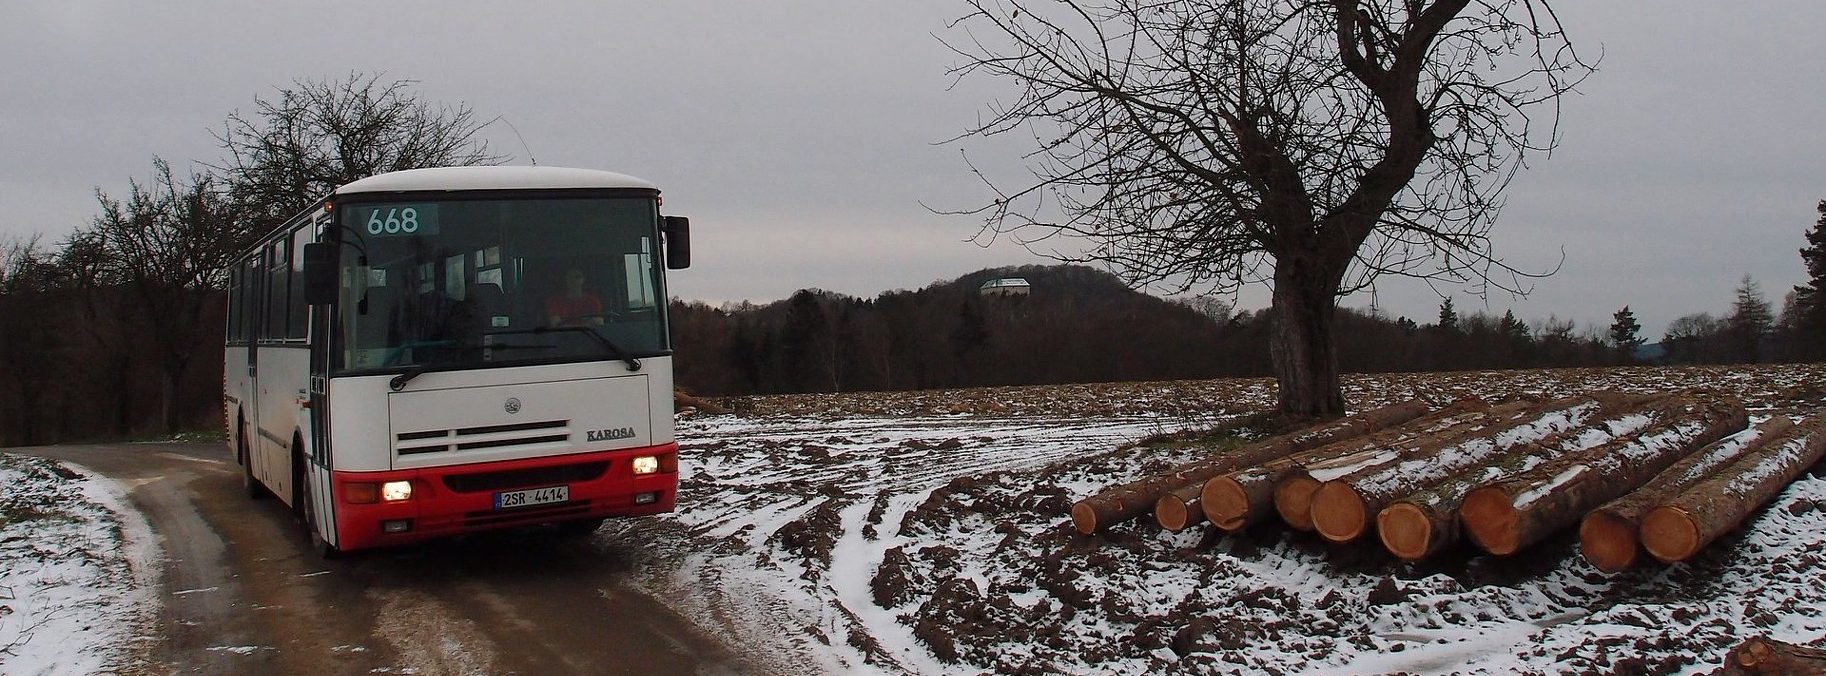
(491, 304)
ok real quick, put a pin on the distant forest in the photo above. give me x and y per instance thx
(85, 357)
(1078, 324)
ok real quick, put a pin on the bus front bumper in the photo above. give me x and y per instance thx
(459, 499)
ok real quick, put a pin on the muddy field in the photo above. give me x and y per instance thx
(928, 533)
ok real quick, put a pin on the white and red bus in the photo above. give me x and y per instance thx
(439, 351)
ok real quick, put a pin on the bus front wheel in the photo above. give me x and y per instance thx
(255, 491)
(307, 504)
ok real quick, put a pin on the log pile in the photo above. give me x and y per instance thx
(1666, 473)
(1133, 499)
(1764, 655)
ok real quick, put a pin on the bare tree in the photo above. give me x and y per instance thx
(320, 134)
(169, 243)
(31, 353)
(1314, 145)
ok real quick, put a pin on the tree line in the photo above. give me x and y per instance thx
(1078, 324)
(116, 330)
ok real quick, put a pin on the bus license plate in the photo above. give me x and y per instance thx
(532, 496)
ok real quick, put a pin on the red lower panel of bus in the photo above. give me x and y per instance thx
(468, 498)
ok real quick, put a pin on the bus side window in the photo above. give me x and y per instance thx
(298, 324)
(277, 271)
(234, 306)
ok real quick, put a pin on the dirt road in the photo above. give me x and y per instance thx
(243, 593)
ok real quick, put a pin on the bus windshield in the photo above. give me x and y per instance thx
(473, 283)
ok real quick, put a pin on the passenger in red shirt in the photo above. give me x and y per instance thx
(574, 307)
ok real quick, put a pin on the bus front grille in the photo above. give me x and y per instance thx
(490, 436)
(481, 482)
(525, 515)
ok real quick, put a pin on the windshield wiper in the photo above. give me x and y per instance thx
(614, 349)
(399, 382)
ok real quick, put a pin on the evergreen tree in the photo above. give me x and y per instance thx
(1625, 333)
(1448, 318)
(1513, 328)
(1809, 320)
(1750, 320)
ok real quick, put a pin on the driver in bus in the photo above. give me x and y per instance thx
(574, 306)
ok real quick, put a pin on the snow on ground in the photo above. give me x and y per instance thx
(928, 533)
(77, 571)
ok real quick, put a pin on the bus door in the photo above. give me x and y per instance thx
(257, 281)
(317, 410)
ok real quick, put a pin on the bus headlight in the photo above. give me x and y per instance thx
(395, 491)
(646, 464)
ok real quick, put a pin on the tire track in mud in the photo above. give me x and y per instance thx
(430, 637)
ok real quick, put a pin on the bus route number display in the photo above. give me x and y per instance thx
(397, 220)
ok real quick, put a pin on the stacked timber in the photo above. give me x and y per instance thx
(1344, 506)
(1679, 528)
(1245, 497)
(1505, 516)
(1607, 536)
(1764, 655)
(1133, 499)
(1662, 473)
(1426, 522)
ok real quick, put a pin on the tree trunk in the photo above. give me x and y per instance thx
(1508, 515)
(1300, 345)
(1425, 523)
(1608, 535)
(1115, 505)
(1677, 530)
(1344, 506)
(1245, 497)
(1764, 655)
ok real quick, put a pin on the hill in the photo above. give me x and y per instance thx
(1075, 324)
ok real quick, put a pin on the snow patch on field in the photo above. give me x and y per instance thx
(900, 533)
(78, 568)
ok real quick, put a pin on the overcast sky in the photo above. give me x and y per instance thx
(802, 137)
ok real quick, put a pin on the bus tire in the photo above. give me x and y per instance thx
(255, 491)
(321, 546)
(307, 503)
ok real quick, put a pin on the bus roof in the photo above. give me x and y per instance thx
(492, 178)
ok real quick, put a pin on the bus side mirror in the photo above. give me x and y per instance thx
(678, 242)
(319, 273)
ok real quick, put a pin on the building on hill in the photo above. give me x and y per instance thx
(1005, 286)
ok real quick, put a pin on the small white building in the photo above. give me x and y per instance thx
(1005, 286)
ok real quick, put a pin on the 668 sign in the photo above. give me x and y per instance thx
(398, 219)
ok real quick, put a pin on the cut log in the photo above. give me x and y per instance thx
(1121, 503)
(1179, 509)
(1764, 655)
(683, 400)
(1678, 529)
(1608, 535)
(1245, 497)
(1426, 522)
(1505, 516)
(1184, 507)
(1344, 506)
(1294, 494)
